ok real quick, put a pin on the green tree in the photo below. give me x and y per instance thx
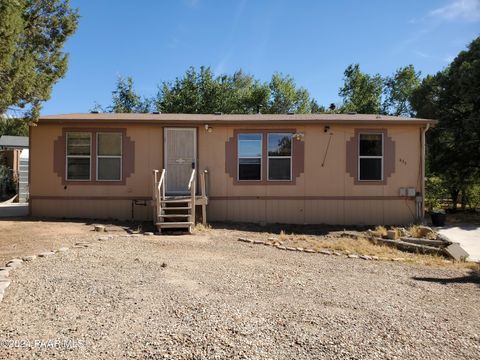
(315, 108)
(32, 36)
(11, 126)
(200, 92)
(452, 96)
(398, 91)
(125, 99)
(361, 92)
(286, 97)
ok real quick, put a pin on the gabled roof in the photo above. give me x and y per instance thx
(13, 142)
(233, 118)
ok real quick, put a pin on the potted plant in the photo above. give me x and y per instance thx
(438, 217)
(435, 190)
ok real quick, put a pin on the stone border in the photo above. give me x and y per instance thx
(272, 242)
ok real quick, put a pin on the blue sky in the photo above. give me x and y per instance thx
(313, 41)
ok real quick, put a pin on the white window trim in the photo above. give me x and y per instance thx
(250, 157)
(110, 156)
(89, 157)
(280, 157)
(370, 157)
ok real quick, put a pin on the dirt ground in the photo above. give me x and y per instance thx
(208, 296)
(30, 236)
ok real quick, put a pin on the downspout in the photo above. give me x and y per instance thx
(422, 213)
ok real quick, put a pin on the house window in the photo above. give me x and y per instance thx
(279, 156)
(249, 156)
(78, 155)
(370, 159)
(109, 156)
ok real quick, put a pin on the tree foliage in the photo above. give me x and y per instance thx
(398, 91)
(361, 92)
(285, 97)
(240, 93)
(15, 127)
(452, 96)
(32, 36)
(200, 92)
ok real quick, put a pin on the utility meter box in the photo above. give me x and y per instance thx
(411, 192)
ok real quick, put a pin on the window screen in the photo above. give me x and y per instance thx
(279, 156)
(109, 156)
(78, 156)
(371, 157)
(249, 156)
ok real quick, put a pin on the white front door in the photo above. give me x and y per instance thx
(180, 158)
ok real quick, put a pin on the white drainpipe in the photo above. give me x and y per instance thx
(422, 213)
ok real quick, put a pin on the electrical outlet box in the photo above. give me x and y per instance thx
(411, 192)
(403, 192)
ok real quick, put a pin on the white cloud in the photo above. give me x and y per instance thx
(468, 10)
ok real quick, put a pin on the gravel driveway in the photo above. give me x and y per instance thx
(206, 296)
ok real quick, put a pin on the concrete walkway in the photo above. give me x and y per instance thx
(13, 210)
(467, 235)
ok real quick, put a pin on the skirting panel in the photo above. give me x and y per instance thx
(90, 209)
(334, 212)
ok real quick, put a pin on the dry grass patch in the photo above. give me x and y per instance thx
(200, 228)
(363, 246)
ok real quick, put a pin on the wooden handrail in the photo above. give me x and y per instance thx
(192, 179)
(192, 187)
(158, 193)
(161, 183)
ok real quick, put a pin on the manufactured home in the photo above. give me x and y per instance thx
(173, 168)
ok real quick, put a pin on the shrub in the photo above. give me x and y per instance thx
(435, 192)
(7, 183)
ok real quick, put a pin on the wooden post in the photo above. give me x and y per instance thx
(204, 197)
(154, 196)
(192, 187)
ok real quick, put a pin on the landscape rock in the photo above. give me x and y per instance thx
(4, 283)
(29, 258)
(46, 253)
(402, 231)
(99, 228)
(290, 248)
(245, 240)
(310, 251)
(14, 263)
(325, 252)
(425, 231)
(281, 247)
(62, 249)
(83, 244)
(456, 252)
(365, 257)
(14, 260)
(352, 256)
(259, 242)
(148, 233)
(392, 234)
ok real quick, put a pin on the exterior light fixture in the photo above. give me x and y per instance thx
(298, 136)
(208, 128)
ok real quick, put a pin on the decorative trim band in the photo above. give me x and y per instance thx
(48, 197)
(310, 198)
